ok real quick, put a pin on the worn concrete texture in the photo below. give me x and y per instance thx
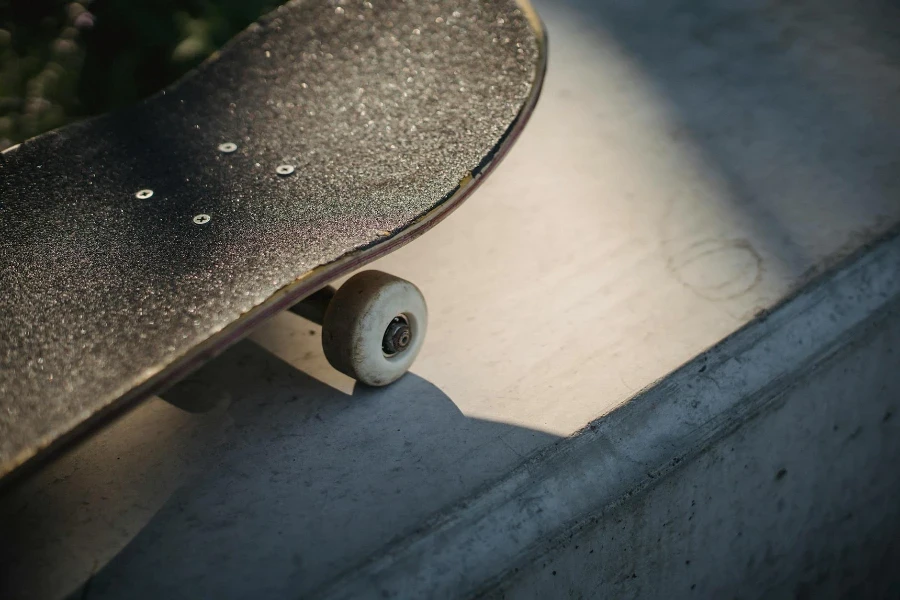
(801, 501)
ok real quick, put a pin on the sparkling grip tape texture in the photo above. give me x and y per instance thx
(130, 239)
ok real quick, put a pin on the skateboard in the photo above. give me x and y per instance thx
(138, 245)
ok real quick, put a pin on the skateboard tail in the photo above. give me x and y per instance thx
(155, 380)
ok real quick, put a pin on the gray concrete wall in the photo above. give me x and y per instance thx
(801, 501)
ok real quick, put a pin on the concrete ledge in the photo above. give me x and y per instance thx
(767, 379)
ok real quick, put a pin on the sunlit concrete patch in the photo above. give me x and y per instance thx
(299, 343)
(681, 176)
(718, 269)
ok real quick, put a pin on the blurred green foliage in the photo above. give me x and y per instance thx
(62, 60)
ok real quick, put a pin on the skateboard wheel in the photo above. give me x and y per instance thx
(374, 327)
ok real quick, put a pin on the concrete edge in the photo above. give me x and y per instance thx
(478, 541)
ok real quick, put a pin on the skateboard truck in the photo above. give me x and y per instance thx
(373, 326)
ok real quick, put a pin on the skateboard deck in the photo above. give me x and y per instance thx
(137, 245)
